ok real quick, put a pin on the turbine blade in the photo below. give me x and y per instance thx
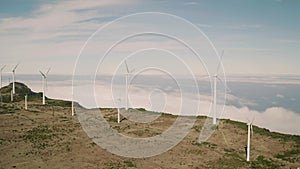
(46, 84)
(126, 67)
(203, 77)
(253, 119)
(132, 70)
(248, 121)
(42, 74)
(3, 67)
(16, 67)
(48, 70)
(227, 88)
(221, 57)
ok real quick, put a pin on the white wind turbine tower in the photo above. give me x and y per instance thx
(126, 90)
(250, 129)
(44, 76)
(118, 108)
(26, 102)
(215, 91)
(13, 73)
(72, 107)
(11, 96)
(1, 74)
(1, 82)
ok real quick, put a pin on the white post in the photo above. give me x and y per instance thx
(25, 102)
(215, 101)
(118, 115)
(126, 92)
(72, 108)
(43, 91)
(1, 80)
(248, 144)
(11, 96)
(14, 82)
(1, 85)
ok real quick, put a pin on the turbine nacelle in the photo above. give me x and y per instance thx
(14, 69)
(250, 123)
(44, 76)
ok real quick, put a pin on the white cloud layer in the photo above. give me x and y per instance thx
(274, 118)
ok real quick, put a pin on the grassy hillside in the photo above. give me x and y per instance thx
(47, 136)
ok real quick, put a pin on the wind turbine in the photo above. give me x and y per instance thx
(1, 75)
(44, 75)
(126, 90)
(13, 73)
(215, 91)
(1, 82)
(250, 129)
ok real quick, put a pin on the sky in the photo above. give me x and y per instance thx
(258, 37)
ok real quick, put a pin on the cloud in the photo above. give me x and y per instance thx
(274, 118)
(191, 3)
(53, 20)
(239, 101)
(50, 20)
(288, 41)
(270, 80)
(249, 49)
(244, 26)
(204, 25)
(53, 34)
(280, 96)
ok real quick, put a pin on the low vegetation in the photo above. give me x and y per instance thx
(41, 137)
(262, 162)
(119, 165)
(290, 156)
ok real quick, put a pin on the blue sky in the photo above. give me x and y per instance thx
(258, 36)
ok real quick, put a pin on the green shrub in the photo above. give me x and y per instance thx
(290, 156)
(262, 162)
(129, 163)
